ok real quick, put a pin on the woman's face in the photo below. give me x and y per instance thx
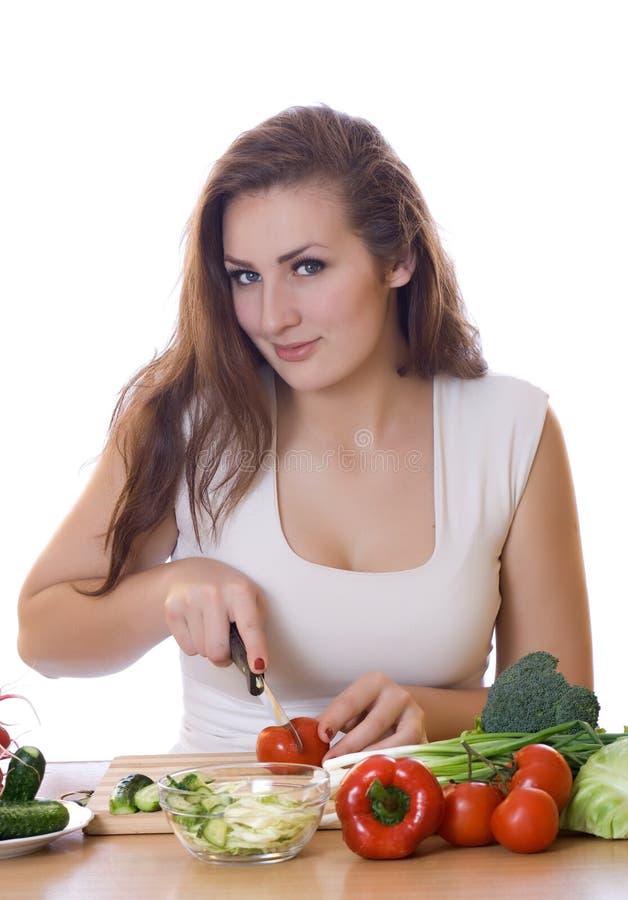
(305, 288)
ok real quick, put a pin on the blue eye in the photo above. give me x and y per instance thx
(304, 267)
(243, 277)
(310, 266)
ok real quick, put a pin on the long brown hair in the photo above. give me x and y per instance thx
(201, 399)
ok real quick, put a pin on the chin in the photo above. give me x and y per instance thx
(314, 374)
(309, 381)
(316, 379)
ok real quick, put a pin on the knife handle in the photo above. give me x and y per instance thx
(238, 655)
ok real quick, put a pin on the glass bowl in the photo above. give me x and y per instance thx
(245, 813)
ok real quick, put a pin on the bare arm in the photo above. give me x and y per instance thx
(543, 583)
(65, 632)
(449, 712)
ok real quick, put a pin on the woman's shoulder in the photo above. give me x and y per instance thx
(492, 425)
(496, 408)
(494, 389)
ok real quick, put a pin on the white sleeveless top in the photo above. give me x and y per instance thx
(428, 626)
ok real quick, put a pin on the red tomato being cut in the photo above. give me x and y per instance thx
(276, 743)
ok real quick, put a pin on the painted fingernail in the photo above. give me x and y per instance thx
(329, 733)
(259, 665)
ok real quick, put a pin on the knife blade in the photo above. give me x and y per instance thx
(258, 686)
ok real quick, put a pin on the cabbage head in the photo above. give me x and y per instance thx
(599, 799)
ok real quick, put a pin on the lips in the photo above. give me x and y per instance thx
(295, 352)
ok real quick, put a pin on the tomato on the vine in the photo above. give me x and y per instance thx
(468, 810)
(526, 821)
(541, 766)
(276, 743)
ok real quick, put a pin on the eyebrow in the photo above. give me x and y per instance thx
(285, 257)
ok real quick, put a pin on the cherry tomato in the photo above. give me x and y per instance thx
(276, 743)
(468, 810)
(543, 767)
(526, 821)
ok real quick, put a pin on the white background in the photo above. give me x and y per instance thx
(512, 117)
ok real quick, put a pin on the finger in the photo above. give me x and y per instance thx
(207, 622)
(178, 623)
(247, 611)
(194, 617)
(216, 629)
(409, 730)
(350, 706)
(375, 726)
(393, 719)
(181, 634)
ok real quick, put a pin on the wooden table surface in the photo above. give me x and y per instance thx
(156, 866)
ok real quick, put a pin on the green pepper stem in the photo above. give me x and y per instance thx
(389, 804)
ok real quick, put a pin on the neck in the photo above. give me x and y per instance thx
(372, 408)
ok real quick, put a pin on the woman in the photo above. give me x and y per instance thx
(320, 456)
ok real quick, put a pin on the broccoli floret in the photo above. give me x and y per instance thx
(578, 703)
(531, 695)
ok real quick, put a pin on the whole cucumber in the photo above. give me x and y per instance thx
(24, 775)
(19, 820)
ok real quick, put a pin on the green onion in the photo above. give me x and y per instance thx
(449, 759)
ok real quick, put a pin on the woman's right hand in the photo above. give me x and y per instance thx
(203, 598)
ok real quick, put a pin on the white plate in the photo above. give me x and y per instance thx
(80, 816)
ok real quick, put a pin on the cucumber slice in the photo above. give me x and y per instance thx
(191, 782)
(183, 804)
(215, 831)
(147, 798)
(213, 803)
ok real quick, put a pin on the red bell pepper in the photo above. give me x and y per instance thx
(387, 806)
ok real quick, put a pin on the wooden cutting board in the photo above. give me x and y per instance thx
(153, 766)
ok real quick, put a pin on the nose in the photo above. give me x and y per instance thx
(279, 309)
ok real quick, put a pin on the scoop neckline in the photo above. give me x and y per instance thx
(436, 486)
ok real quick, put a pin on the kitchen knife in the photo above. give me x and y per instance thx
(257, 684)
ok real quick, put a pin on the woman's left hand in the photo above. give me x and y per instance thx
(374, 712)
